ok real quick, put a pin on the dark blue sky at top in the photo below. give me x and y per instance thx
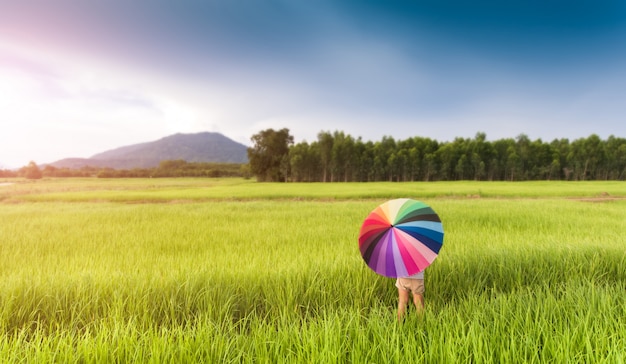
(519, 33)
(399, 59)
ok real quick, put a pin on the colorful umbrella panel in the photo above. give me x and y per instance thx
(400, 238)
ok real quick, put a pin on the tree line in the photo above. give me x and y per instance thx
(179, 168)
(167, 168)
(339, 157)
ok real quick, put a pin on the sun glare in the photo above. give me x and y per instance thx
(17, 93)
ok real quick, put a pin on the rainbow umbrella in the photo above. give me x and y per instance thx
(400, 238)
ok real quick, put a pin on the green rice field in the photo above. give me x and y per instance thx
(235, 271)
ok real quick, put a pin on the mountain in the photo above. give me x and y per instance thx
(199, 147)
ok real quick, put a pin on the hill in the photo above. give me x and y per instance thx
(199, 147)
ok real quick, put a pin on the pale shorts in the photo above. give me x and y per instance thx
(415, 286)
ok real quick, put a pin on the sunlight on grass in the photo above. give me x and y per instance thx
(521, 277)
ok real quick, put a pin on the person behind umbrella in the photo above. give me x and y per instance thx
(412, 284)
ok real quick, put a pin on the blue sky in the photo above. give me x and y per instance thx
(78, 77)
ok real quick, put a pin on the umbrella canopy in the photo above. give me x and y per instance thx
(400, 238)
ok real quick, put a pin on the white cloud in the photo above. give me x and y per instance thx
(80, 108)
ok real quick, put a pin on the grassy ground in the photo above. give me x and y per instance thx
(197, 270)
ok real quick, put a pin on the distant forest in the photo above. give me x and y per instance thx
(168, 168)
(338, 157)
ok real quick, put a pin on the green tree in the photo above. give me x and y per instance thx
(482, 154)
(445, 154)
(523, 154)
(325, 142)
(365, 160)
(513, 164)
(267, 158)
(32, 171)
(585, 156)
(343, 158)
(298, 160)
(561, 150)
(383, 152)
(615, 158)
(430, 166)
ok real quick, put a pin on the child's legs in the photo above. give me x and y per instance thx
(418, 301)
(403, 301)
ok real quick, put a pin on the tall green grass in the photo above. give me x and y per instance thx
(539, 279)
